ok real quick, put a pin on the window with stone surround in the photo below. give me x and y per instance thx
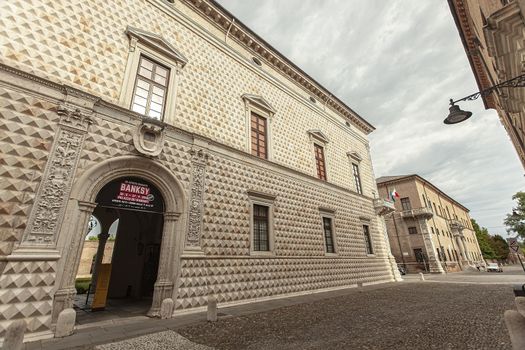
(261, 230)
(357, 178)
(368, 240)
(405, 203)
(261, 223)
(412, 230)
(152, 73)
(328, 235)
(151, 84)
(259, 140)
(320, 162)
(259, 115)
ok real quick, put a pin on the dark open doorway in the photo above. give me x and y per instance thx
(125, 250)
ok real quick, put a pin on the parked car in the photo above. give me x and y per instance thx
(402, 270)
(494, 267)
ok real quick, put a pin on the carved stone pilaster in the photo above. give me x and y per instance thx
(53, 193)
(193, 236)
(164, 285)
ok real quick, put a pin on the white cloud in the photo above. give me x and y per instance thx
(397, 63)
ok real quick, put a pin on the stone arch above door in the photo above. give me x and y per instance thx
(82, 203)
(93, 179)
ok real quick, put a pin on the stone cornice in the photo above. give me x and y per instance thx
(237, 31)
(470, 43)
(416, 177)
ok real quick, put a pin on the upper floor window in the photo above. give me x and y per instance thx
(319, 161)
(258, 136)
(412, 230)
(405, 203)
(357, 178)
(151, 87)
(151, 78)
(328, 235)
(368, 240)
(259, 115)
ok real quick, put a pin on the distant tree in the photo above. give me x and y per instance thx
(500, 246)
(484, 240)
(515, 222)
(93, 238)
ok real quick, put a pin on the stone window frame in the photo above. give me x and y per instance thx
(329, 214)
(157, 49)
(267, 200)
(355, 164)
(412, 230)
(258, 105)
(405, 203)
(317, 137)
(367, 222)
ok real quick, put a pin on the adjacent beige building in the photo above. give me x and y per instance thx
(231, 172)
(493, 34)
(429, 231)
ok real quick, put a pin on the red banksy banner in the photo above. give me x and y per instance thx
(131, 193)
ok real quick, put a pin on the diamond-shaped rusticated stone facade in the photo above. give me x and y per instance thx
(108, 139)
(26, 293)
(204, 153)
(83, 44)
(298, 263)
(238, 279)
(27, 128)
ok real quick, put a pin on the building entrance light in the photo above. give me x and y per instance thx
(457, 115)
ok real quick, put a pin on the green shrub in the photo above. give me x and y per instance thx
(82, 285)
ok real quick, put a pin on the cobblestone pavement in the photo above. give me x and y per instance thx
(156, 341)
(416, 315)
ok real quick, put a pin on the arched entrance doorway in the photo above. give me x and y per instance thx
(123, 271)
(171, 219)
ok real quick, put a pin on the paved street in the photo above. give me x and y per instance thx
(512, 274)
(407, 316)
(453, 311)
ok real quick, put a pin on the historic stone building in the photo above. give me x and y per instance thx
(493, 34)
(231, 172)
(429, 231)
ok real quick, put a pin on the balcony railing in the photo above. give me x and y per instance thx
(383, 206)
(422, 212)
(456, 224)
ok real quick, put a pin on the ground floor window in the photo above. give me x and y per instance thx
(328, 236)
(368, 240)
(261, 236)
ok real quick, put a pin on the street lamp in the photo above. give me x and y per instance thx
(457, 115)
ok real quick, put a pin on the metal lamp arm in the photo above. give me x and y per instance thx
(518, 81)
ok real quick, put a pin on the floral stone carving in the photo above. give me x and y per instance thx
(55, 187)
(193, 236)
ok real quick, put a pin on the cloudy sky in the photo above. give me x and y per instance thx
(397, 63)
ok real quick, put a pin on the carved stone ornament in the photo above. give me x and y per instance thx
(53, 193)
(199, 158)
(73, 117)
(148, 138)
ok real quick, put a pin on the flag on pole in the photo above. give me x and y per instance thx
(394, 195)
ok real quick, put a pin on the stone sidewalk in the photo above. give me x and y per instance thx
(88, 336)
